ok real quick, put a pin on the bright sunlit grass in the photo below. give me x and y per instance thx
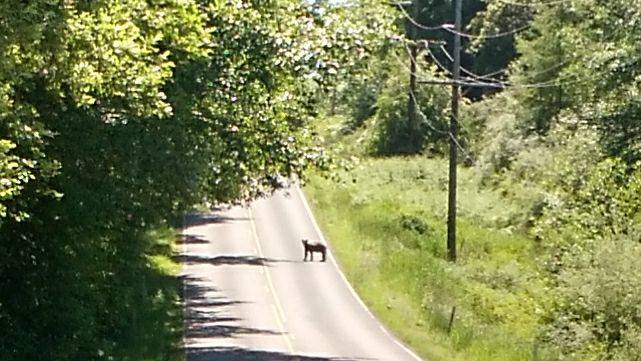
(387, 224)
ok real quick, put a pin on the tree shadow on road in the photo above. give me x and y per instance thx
(241, 260)
(205, 316)
(246, 354)
(201, 219)
(191, 239)
(225, 331)
(194, 289)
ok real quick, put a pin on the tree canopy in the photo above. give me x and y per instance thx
(118, 116)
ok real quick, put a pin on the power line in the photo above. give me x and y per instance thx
(499, 83)
(495, 83)
(428, 122)
(467, 154)
(491, 36)
(479, 81)
(450, 28)
(487, 80)
(460, 147)
(487, 76)
(424, 117)
(440, 131)
(476, 80)
(544, 3)
(465, 82)
(548, 69)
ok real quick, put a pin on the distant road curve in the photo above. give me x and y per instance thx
(249, 295)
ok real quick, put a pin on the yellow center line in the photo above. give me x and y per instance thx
(279, 313)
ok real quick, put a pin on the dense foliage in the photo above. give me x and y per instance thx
(562, 140)
(396, 134)
(568, 136)
(116, 117)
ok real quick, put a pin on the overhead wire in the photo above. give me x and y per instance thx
(476, 80)
(548, 69)
(543, 3)
(497, 83)
(487, 76)
(446, 81)
(466, 153)
(449, 28)
(444, 132)
(479, 80)
(426, 120)
(487, 80)
(491, 36)
(465, 81)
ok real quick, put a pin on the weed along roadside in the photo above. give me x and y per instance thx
(388, 231)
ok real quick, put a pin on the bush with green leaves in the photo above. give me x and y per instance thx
(500, 142)
(590, 231)
(597, 314)
(396, 134)
(363, 104)
(361, 93)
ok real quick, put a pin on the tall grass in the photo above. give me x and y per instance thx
(386, 222)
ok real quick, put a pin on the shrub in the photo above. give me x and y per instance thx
(395, 133)
(415, 224)
(599, 312)
(363, 104)
(590, 227)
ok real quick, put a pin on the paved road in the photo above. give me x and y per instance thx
(249, 296)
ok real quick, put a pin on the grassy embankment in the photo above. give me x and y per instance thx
(386, 223)
(157, 319)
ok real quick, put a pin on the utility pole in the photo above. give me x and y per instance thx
(411, 101)
(453, 131)
(456, 72)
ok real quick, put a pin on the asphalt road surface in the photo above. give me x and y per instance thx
(250, 296)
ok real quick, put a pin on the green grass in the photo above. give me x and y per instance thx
(386, 221)
(155, 332)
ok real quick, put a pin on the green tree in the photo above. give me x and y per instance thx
(585, 63)
(116, 117)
